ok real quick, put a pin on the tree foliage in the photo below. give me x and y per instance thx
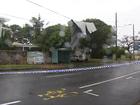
(98, 39)
(4, 39)
(127, 42)
(118, 51)
(50, 37)
(27, 32)
(16, 32)
(37, 26)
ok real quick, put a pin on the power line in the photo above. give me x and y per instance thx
(14, 16)
(48, 9)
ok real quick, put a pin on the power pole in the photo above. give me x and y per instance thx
(0, 29)
(133, 42)
(116, 31)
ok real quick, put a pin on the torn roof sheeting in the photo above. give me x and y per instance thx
(83, 26)
(90, 27)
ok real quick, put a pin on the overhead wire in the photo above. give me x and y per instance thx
(21, 18)
(48, 9)
(14, 16)
(25, 19)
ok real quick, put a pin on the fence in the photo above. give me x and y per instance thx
(13, 57)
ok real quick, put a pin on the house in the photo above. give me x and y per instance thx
(80, 30)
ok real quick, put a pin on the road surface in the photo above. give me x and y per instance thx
(108, 86)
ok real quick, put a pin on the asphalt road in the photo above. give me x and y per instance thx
(112, 86)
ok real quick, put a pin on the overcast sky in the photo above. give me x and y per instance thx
(128, 12)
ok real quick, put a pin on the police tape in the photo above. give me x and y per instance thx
(69, 70)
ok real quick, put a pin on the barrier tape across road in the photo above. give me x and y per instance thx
(70, 70)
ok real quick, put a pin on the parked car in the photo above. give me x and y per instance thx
(80, 58)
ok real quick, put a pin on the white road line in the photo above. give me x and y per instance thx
(98, 83)
(88, 92)
(10, 103)
(62, 75)
(58, 75)
(130, 77)
(93, 94)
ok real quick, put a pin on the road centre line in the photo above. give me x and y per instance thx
(109, 80)
(10, 103)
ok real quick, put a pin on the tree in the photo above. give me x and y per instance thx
(127, 43)
(5, 39)
(16, 33)
(50, 37)
(99, 38)
(37, 26)
(26, 31)
(3, 44)
(114, 50)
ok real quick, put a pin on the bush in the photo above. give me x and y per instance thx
(113, 50)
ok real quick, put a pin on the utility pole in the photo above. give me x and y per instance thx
(133, 42)
(116, 31)
(0, 29)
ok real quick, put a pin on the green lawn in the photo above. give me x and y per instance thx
(18, 66)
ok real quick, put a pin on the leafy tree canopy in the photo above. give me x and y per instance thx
(99, 38)
(51, 37)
